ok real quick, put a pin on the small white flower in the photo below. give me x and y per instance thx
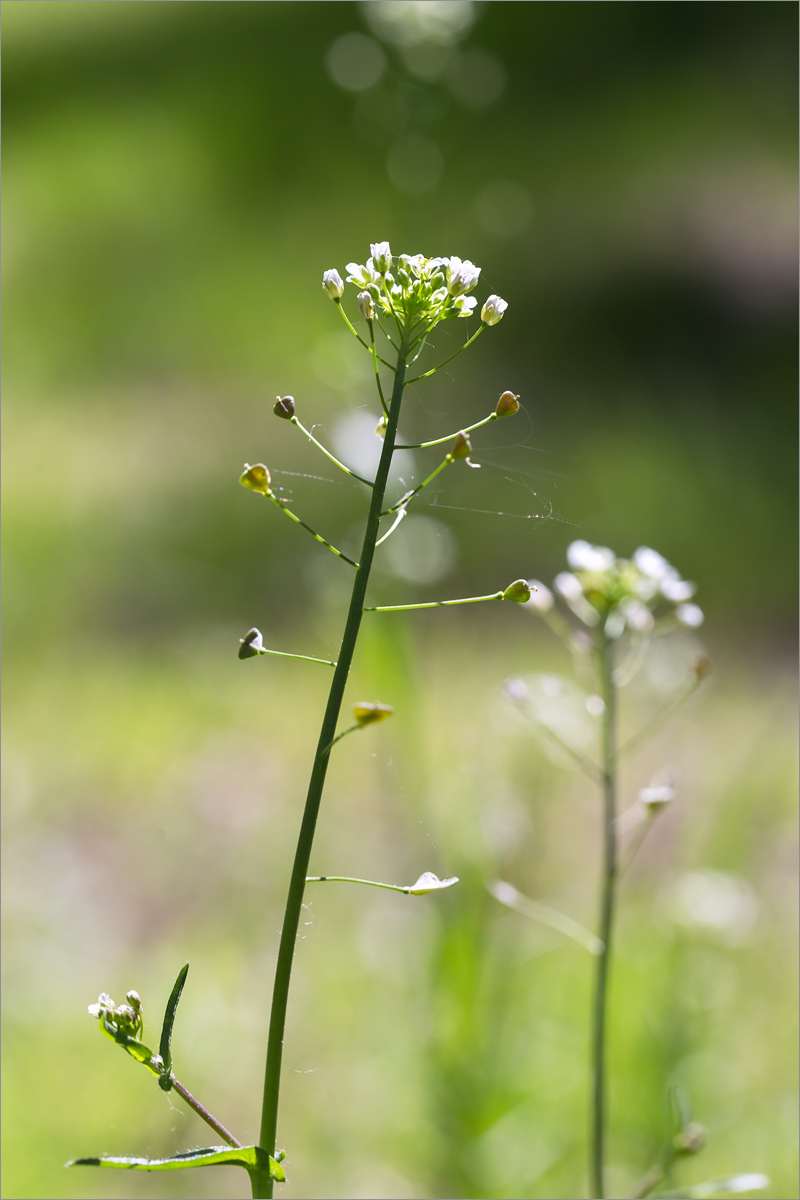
(366, 306)
(656, 797)
(541, 596)
(678, 590)
(493, 310)
(568, 585)
(381, 256)
(363, 275)
(652, 564)
(461, 276)
(465, 305)
(637, 615)
(516, 690)
(690, 614)
(583, 557)
(332, 284)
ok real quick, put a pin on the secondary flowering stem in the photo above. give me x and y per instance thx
(607, 897)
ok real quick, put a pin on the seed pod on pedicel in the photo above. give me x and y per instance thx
(519, 591)
(256, 478)
(251, 644)
(284, 407)
(507, 405)
(461, 447)
(368, 714)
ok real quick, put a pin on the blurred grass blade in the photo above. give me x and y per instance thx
(507, 894)
(165, 1045)
(728, 1185)
(249, 1157)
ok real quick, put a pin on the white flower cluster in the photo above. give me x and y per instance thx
(621, 593)
(414, 289)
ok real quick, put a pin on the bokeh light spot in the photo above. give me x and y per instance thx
(476, 78)
(355, 62)
(409, 22)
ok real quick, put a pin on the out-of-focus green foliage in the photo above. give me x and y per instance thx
(177, 177)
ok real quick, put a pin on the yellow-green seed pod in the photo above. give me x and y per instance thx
(507, 405)
(368, 714)
(461, 447)
(256, 478)
(519, 591)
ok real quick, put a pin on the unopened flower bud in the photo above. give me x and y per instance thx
(366, 306)
(368, 714)
(380, 428)
(284, 407)
(256, 478)
(690, 1140)
(135, 1001)
(381, 256)
(493, 310)
(507, 405)
(251, 644)
(332, 284)
(519, 591)
(461, 447)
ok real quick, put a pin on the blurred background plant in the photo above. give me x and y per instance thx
(175, 174)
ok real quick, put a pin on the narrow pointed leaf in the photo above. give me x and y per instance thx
(249, 1157)
(165, 1045)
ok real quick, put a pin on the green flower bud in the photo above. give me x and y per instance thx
(284, 407)
(519, 591)
(507, 405)
(369, 714)
(690, 1140)
(256, 478)
(332, 284)
(493, 310)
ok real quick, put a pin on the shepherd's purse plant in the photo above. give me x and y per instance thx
(616, 608)
(401, 300)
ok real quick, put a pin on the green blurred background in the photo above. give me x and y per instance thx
(177, 177)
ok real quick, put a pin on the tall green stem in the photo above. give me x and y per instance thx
(261, 1182)
(607, 895)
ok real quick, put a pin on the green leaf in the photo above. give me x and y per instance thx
(730, 1184)
(250, 1157)
(165, 1045)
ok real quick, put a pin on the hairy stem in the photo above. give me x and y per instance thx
(203, 1112)
(261, 1182)
(597, 1159)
